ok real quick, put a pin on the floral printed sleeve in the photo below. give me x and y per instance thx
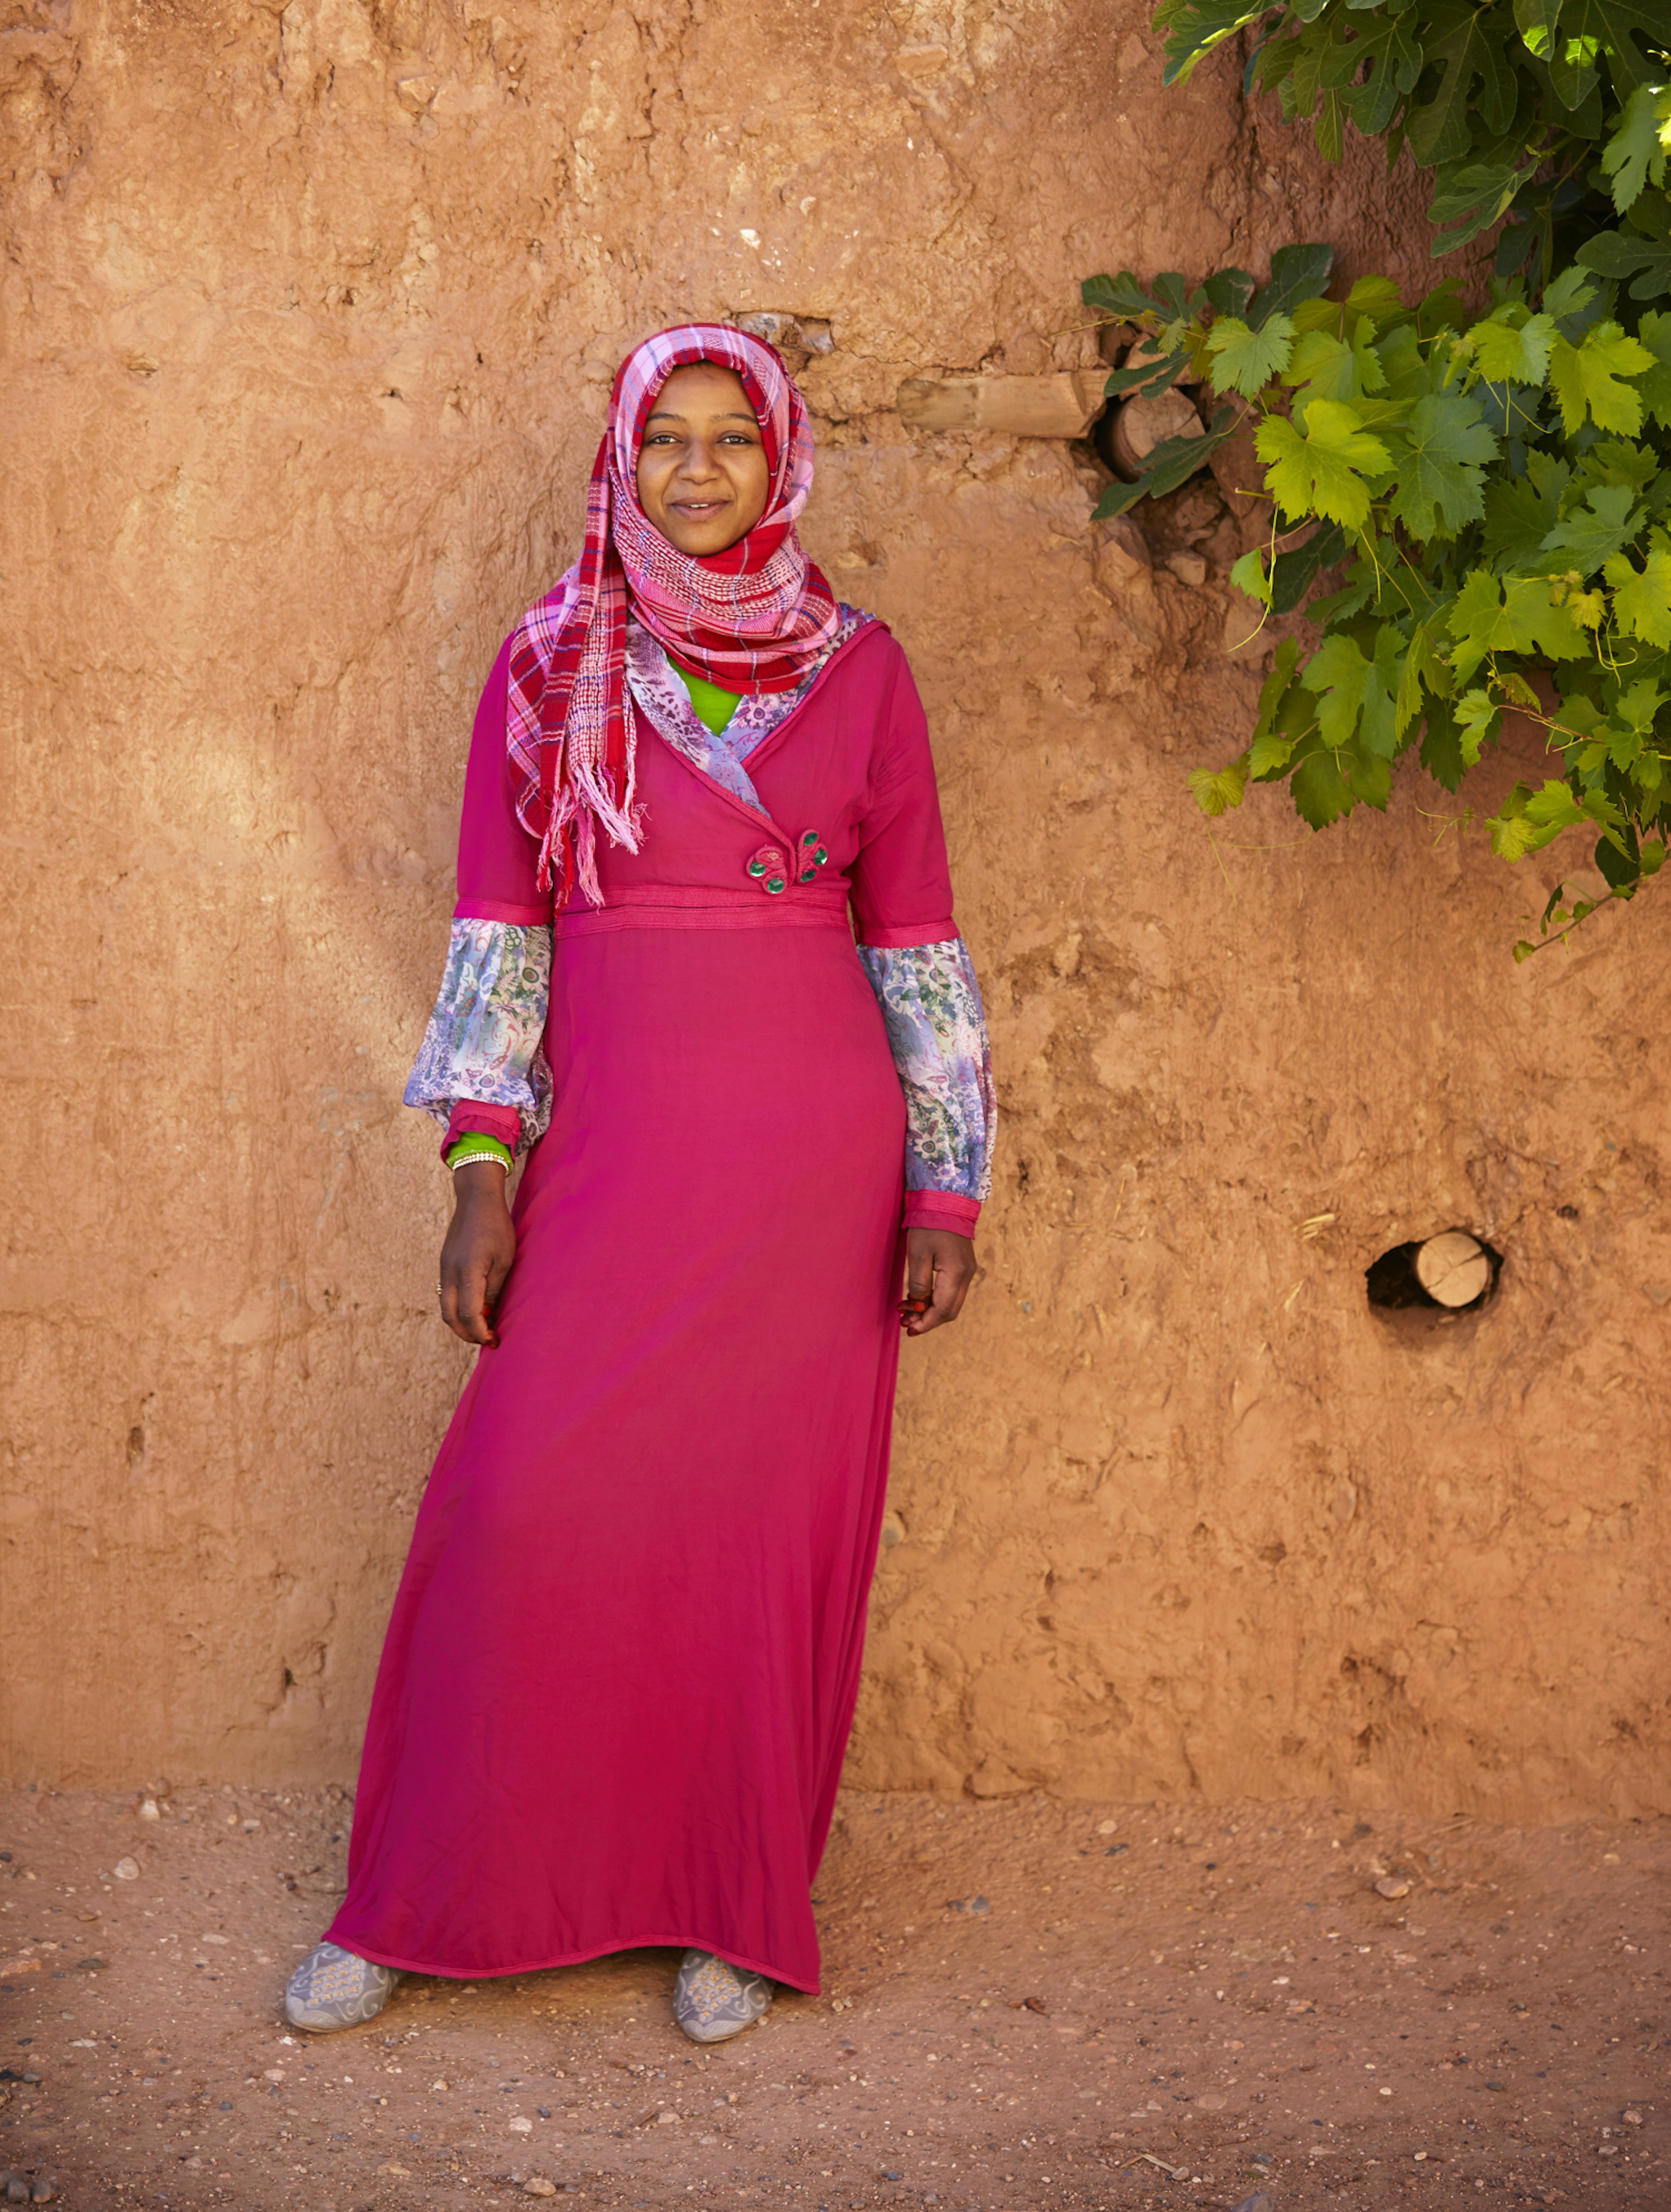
(483, 1042)
(937, 1028)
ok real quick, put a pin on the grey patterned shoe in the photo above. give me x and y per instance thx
(331, 1987)
(713, 2000)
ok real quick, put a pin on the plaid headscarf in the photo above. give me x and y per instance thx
(752, 618)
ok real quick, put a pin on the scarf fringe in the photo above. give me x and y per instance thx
(584, 802)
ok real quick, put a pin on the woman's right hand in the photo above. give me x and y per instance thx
(476, 1255)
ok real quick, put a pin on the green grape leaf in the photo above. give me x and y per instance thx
(1274, 688)
(1318, 315)
(1654, 331)
(1442, 745)
(1287, 718)
(1569, 293)
(1532, 819)
(1314, 468)
(1322, 361)
(1586, 379)
(1521, 511)
(1337, 607)
(1269, 756)
(1636, 707)
(1369, 775)
(1637, 150)
(1293, 572)
(1247, 574)
(1321, 793)
(1333, 367)
(1478, 718)
(1378, 297)
(1592, 533)
(1357, 693)
(1516, 356)
(1407, 700)
(1642, 599)
(1439, 459)
(1245, 360)
(1620, 869)
(1399, 353)
(1516, 615)
(1443, 308)
(1420, 669)
(1371, 376)
(1513, 411)
(1217, 790)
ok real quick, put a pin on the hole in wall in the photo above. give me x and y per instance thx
(1454, 1272)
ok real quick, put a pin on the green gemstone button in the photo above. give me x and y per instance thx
(774, 884)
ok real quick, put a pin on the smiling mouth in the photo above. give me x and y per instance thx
(698, 506)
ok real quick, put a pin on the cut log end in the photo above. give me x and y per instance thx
(1453, 1268)
(1061, 406)
(1142, 424)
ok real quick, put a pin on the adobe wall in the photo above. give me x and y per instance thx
(309, 314)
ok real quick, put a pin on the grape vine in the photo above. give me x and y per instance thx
(1493, 488)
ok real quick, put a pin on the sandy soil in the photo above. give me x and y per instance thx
(1027, 2005)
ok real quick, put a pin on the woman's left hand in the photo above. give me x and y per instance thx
(939, 1266)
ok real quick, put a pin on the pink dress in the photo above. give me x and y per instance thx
(620, 1675)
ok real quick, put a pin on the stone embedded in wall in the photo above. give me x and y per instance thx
(798, 338)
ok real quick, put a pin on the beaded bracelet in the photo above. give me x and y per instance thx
(489, 1149)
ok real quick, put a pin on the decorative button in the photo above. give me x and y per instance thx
(769, 869)
(812, 855)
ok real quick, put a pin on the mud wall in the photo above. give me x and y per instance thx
(309, 314)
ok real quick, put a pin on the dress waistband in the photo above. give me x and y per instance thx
(710, 906)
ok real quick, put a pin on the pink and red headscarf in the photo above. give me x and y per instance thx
(753, 618)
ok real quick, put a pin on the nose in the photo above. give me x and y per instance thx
(699, 462)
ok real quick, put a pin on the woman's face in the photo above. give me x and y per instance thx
(702, 477)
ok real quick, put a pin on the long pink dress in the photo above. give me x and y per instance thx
(621, 1670)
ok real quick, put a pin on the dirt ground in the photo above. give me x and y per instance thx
(1027, 2005)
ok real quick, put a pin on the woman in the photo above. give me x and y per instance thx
(621, 1670)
